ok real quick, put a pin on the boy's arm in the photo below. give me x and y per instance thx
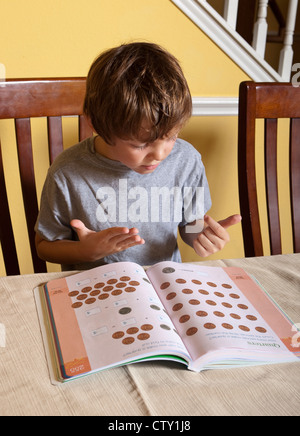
(212, 238)
(91, 246)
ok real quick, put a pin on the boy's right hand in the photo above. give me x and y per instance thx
(96, 245)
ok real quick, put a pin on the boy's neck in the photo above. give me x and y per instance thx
(101, 147)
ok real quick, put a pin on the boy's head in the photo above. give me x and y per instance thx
(133, 86)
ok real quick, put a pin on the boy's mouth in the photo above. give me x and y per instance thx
(150, 167)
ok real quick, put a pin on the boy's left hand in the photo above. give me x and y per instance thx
(214, 236)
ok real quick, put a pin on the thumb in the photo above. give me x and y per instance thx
(80, 228)
(230, 221)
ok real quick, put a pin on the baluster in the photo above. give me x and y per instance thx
(287, 53)
(230, 12)
(261, 28)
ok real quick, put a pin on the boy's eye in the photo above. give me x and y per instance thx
(139, 147)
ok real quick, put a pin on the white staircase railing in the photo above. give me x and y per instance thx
(251, 58)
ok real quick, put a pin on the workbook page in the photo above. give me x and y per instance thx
(109, 315)
(210, 311)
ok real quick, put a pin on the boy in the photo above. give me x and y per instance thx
(123, 194)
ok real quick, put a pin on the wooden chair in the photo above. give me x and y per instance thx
(21, 100)
(269, 101)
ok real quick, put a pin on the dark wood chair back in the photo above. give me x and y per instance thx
(271, 102)
(21, 100)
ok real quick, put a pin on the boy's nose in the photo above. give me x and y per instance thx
(158, 152)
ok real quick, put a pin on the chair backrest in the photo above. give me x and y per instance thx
(21, 100)
(268, 101)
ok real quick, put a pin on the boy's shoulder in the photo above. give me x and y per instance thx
(186, 153)
(72, 155)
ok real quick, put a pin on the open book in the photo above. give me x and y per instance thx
(204, 317)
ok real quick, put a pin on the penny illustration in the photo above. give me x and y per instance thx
(191, 331)
(209, 326)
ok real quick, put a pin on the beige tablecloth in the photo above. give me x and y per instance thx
(147, 388)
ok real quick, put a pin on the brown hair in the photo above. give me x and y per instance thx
(135, 84)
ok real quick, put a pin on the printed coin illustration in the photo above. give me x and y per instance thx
(251, 317)
(235, 316)
(76, 305)
(194, 302)
(187, 291)
(164, 285)
(99, 285)
(184, 318)
(154, 307)
(229, 306)
(103, 296)
(118, 335)
(95, 293)
(147, 327)
(244, 328)
(107, 288)
(125, 310)
(235, 296)
(132, 330)
(209, 326)
(177, 307)
(73, 294)
(219, 314)
(191, 331)
(203, 292)
(143, 336)
(213, 285)
(171, 296)
(90, 301)
(197, 282)
(87, 289)
(180, 281)
(168, 270)
(201, 313)
(260, 329)
(112, 281)
(211, 302)
(130, 289)
(124, 278)
(128, 341)
(227, 326)
(243, 306)
(226, 286)
(134, 283)
(82, 297)
(165, 327)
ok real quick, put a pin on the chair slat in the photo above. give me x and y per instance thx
(24, 145)
(85, 130)
(295, 180)
(23, 99)
(272, 185)
(6, 231)
(269, 101)
(247, 177)
(55, 137)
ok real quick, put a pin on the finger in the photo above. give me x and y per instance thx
(130, 242)
(230, 221)
(202, 248)
(216, 227)
(80, 228)
(217, 242)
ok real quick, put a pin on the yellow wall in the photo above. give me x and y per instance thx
(53, 38)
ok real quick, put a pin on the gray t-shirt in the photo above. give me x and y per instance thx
(82, 184)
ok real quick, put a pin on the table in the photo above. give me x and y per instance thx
(153, 388)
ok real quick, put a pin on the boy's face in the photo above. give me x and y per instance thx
(141, 157)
